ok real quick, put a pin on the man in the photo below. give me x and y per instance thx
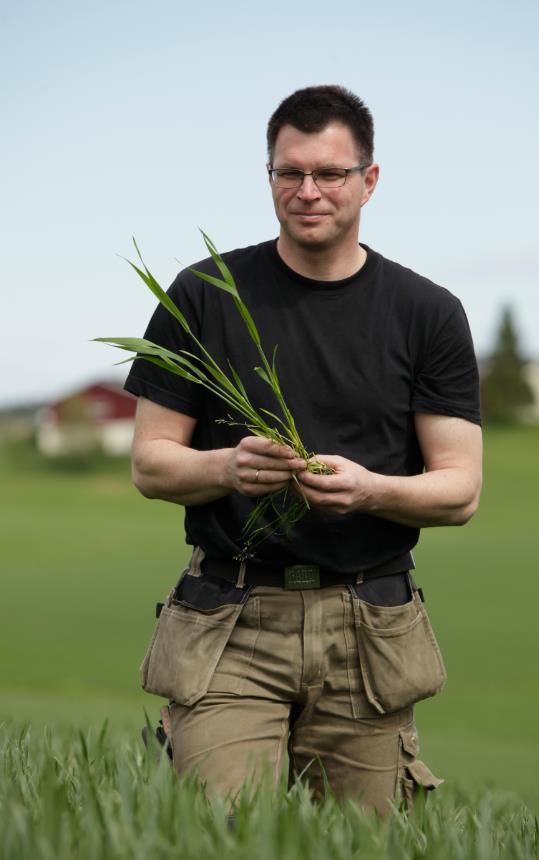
(320, 642)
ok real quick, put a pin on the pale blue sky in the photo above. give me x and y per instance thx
(126, 118)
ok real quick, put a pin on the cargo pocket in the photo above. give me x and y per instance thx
(400, 661)
(190, 636)
(413, 774)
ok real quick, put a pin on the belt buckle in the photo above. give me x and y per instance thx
(301, 576)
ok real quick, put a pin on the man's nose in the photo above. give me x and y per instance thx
(308, 190)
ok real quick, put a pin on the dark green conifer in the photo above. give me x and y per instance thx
(505, 391)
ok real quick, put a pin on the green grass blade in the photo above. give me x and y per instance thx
(146, 347)
(223, 380)
(216, 282)
(288, 437)
(250, 323)
(220, 263)
(169, 361)
(263, 375)
(199, 379)
(227, 284)
(237, 380)
(124, 360)
(273, 360)
(179, 371)
(158, 290)
(136, 344)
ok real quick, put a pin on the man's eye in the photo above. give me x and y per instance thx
(289, 174)
(330, 175)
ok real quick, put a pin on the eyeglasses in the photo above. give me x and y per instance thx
(326, 177)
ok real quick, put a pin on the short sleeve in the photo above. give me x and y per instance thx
(447, 379)
(162, 386)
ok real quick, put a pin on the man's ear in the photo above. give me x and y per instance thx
(370, 180)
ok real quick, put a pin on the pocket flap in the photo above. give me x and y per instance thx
(421, 775)
(410, 742)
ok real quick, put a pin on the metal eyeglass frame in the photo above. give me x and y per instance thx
(314, 174)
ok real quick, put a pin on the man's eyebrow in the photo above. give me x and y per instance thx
(294, 167)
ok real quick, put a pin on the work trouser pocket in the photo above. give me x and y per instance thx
(413, 775)
(189, 639)
(400, 660)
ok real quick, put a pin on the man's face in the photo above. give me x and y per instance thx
(320, 218)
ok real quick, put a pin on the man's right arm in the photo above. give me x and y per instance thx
(165, 467)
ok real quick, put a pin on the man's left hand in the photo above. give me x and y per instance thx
(348, 489)
(446, 493)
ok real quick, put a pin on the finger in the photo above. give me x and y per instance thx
(322, 483)
(330, 502)
(249, 460)
(265, 476)
(295, 464)
(332, 460)
(259, 445)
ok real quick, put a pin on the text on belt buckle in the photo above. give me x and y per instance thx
(302, 576)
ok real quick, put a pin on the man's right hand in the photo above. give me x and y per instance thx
(257, 466)
(166, 467)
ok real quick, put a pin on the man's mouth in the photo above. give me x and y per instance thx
(310, 216)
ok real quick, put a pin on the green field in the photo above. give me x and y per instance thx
(85, 558)
(65, 797)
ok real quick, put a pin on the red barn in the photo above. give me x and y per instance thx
(97, 417)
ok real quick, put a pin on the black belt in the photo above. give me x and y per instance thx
(301, 576)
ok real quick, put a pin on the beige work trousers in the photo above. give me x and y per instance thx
(288, 677)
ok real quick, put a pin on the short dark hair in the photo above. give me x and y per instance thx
(313, 108)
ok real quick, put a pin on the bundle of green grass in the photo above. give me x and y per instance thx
(274, 512)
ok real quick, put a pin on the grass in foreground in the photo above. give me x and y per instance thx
(65, 796)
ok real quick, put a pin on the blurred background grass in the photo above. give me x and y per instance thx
(85, 558)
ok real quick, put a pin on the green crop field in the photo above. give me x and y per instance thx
(84, 559)
(64, 797)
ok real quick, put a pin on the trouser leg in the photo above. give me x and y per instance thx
(356, 758)
(339, 738)
(238, 730)
(227, 740)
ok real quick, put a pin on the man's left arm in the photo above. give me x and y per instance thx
(445, 494)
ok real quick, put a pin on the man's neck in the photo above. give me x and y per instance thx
(322, 264)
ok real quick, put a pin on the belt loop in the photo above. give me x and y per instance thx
(359, 577)
(196, 560)
(240, 582)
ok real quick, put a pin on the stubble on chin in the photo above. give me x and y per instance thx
(305, 240)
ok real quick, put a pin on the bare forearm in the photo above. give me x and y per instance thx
(445, 494)
(167, 468)
(163, 469)
(437, 498)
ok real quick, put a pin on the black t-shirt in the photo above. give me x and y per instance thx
(356, 359)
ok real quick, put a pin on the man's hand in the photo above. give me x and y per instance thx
(446, 493)
(166, 467)
(257, 466)
(347, 489)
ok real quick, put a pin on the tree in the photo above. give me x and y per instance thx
(506, 392)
